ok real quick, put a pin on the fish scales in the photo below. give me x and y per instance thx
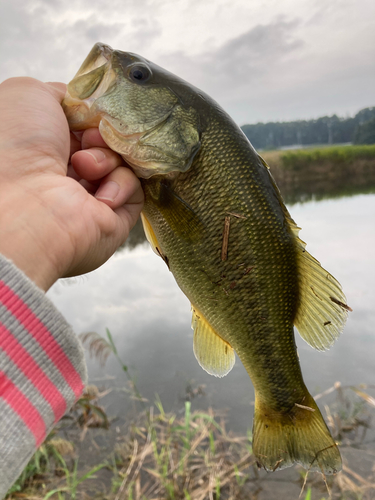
(215, 215)
(264, 320)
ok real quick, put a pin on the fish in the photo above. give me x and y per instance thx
(215, 215)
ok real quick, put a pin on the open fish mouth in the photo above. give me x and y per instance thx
(93, 79)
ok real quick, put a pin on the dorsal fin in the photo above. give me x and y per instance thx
(213, 353)
(322, 309)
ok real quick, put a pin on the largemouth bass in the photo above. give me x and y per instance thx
(215, 215)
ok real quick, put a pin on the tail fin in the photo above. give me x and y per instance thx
(300, 436)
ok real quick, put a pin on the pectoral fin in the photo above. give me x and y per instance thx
(150, 235)
(180, 216)
(213, 353)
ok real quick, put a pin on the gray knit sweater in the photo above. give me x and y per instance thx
(42, 370)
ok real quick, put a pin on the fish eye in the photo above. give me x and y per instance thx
(139, 73)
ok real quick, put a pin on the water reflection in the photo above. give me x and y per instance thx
(324, 181)
(136, 297)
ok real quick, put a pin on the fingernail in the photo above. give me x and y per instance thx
(108, 191)
(97, 154)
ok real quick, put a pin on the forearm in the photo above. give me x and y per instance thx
(42, 370)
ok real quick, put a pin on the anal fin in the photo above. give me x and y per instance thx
(215, 355)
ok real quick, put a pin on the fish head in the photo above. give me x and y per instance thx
(138, 108)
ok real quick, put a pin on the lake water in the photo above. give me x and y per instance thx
(136, 298)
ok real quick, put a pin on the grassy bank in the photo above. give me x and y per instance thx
(300, 159)
(323, 172)
(191, 457)
(186, 454)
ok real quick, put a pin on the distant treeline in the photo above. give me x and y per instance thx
(324, 130)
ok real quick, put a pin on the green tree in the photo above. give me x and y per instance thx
(365, 133)
(324, 130)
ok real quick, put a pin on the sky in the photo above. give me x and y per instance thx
(261, 60)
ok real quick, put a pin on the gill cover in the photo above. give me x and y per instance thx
(169, 146)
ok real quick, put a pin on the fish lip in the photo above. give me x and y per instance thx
(78, 110)
(105, 49)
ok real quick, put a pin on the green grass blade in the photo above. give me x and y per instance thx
(89, 475)
(110, 339)
(53, 492)
(308, 494)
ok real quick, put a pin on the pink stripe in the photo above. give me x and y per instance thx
(43, 336)
(26, 363)
(24, 409)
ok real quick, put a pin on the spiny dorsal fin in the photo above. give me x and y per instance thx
(213, 353)
(322, 309)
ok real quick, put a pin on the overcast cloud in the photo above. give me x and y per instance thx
(261, 60)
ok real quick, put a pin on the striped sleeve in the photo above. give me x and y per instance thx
(42, 370)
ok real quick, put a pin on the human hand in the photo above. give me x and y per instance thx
(58, 215)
